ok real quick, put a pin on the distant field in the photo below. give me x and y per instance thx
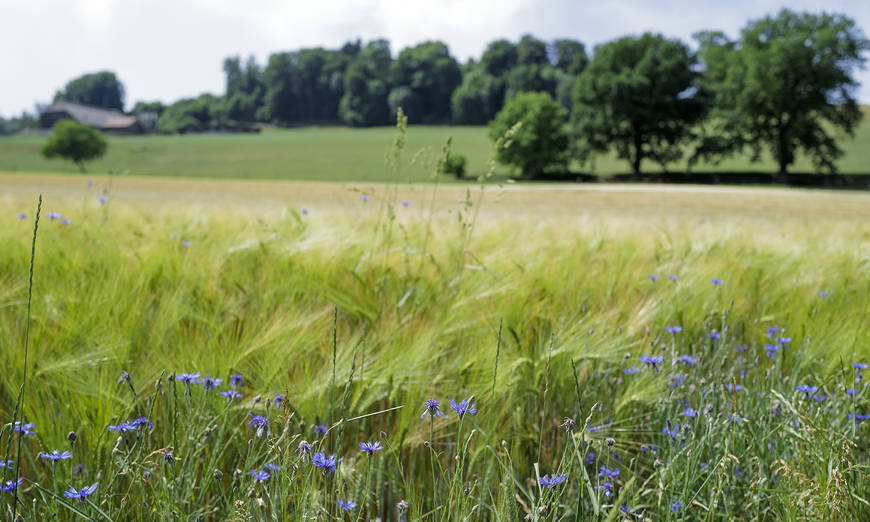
(332, 154)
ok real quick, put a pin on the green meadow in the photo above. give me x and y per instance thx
(534, 301)
(336, 154)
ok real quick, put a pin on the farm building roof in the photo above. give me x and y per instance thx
(96, 117)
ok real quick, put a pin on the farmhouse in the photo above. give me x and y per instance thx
(108, 121)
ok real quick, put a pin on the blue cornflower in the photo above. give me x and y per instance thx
(260, 475)
(56, 455)
(433, 409)
(632, 370)
(677, 506)
(773, 330)
(346, 505)
(852, 391)
(824, 294)
(820, 397)
(406, 203)
(704, 466)
(737, 418)
(370, 447)
(607, 487)
(716, 281)
(66, 221)
(652, 361)
(80, 494)
(121, 427)
(6, 464)
(713, 335)
(10, 485)
(674, 329)
(53, 215)
(304, 211)
(320, 429)
(590, 458)
(783, 340)
(742, 348)
(231, 394)
(859, 417)
(185, 243)
(210, 383)
(103, 199)
(364, 198)
(553, 480)
(273, 467)
(259, 422)
(26, 429)
(859, 366)
(807, 390)
(188, 377)
(691, 413)
(733, 387)
(593, 429)
(279, 399)
(672, 431)
(609, 473)
(22, 215)
(688, 359)
(465, 406)
(653, 278)
(676, 380)
(771, 350)
(139, 422)
(236, 380)
(673, 277)
(327, 463)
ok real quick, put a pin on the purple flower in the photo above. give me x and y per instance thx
(370, 447)
(22, 215)
(304, 211)
(56, 455)
(852, 391)
(260, 423)
(672, 431)
(677, 506)
(53, 215)
(90, 183)
(364, 198)
(676, 380)
(320, 429)
(273, 467)
(187, 378)
(80, 494)
(346, 505)
(6, 464)
(773, 330)
(783, 340)
(236, 380)
(26, 429)
(713, 335)
(733, 387)
(260, 475)
(673, 277)
(820, 398)
(465, 406)
(433, 409)
(279, 399)
(231, 394)
(652, 361)
(858, 417)
(326, 463)
(139, 422)
(10, 485)
(122, 427)
(742, 348)
(593, 429)
(803, 388)
(609, 473)
(103, 199)
(716, 282)
(688, 359)
(771, 350)
(590, 458)
(607, 487)
(859, 366)
(674, 329)
(210, 383)
(824, 294)
(653, 278)
(689, 412)
(185, 243)
(553, 480)
(406, 203)
(632, 370)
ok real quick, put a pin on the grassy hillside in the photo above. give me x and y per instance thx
(331, 154)
(536, 301)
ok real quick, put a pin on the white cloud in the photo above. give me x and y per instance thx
(168, 49)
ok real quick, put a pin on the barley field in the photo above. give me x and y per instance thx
(626, 352)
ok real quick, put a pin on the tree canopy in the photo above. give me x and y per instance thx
(639, 95)
(536, 140)
(74, 141)
(787, 84)
(100, 89)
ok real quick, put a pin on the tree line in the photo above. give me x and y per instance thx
(785, 84)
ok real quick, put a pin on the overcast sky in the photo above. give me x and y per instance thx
(169, 49)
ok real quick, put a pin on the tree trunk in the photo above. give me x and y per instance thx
(81, 165)
(635, 162)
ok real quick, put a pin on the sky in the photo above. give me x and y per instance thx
(169, 49)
